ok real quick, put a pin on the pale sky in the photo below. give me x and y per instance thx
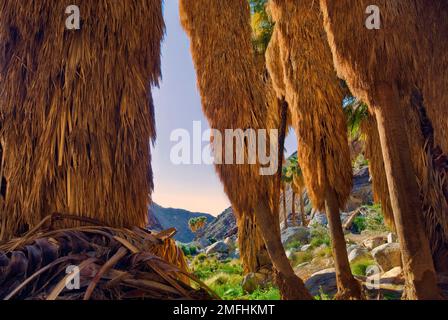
(177, 105)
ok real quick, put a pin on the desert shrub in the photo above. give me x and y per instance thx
(225, 285)
(270, 293)
(323, 252)
(372, 220)
(301, 257)
(189, 250)
(207, 267)
(359, 224)
(359, 268)
(294, 245)
(319, 236)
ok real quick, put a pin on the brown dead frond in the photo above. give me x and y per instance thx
(114, 263)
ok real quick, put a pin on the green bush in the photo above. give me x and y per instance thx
(372, 220)
(319, 236)
(225, 279)
(205, 267)
(359, 268)
(189, 250)
(294, 245)
(227, 286)
(375, 219)
(359, 224)
(270, 293)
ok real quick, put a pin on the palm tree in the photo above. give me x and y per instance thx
(319, 121)
(76, 123)
(389, 92)
(196, 224)
(292, 175)
(233, 96)
(362, 126)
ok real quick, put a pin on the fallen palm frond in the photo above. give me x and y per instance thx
(113, 264)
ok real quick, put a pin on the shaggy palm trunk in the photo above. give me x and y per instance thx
(234, 97)
(348, 287)
(77, 112)
(293, 209)
(254, 256)
(291, 286)
(417, 260)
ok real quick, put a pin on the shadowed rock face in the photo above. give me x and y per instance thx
(362, 194)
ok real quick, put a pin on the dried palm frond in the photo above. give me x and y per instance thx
(114, 264)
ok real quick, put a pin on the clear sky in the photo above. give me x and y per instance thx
(178, 105)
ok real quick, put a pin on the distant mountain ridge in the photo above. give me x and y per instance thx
(163, 218)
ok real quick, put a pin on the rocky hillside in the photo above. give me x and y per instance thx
(361, 195)
(222, 227)
(164, 218)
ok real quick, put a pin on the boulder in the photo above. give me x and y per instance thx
(362, 189)
(387, 256)
(319, 218)
(391, 238)
(202, 243)
(293, 234)
(218, 247)
(252, 281)
(393, 276)
(373, 270)
(372, 243)
(323, 281)
(235, 254)
(305, 247)
(358, 254)
(230, 242)
(352, 247)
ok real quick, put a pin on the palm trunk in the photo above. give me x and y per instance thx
(404, 193)
(291, 286)
(302, 210)
(285, 211)
(348, 287)
(281, 148)
(293, 209)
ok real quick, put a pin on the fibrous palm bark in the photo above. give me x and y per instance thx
(76, 110)
(315, 97)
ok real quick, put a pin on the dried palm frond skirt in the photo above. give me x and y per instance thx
(95, 262)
